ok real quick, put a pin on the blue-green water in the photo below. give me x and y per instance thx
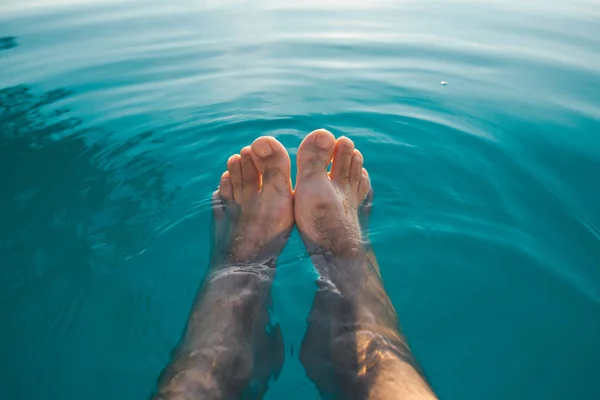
(116, 119)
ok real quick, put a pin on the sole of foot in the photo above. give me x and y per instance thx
(254, 201)
(327, 204)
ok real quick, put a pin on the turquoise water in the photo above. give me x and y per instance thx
(117, 118)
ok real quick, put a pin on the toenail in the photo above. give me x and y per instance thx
(262, 148)
(322, 140)
(233, 159)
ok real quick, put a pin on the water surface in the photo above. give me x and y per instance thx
(117, 118)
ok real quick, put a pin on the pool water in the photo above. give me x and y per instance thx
(117, 118)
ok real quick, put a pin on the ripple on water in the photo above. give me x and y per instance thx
(117, 118)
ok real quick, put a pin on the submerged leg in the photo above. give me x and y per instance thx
(229, 349)
(353, 348)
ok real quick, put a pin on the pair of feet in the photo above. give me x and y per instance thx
(256, 191)
(352, 348)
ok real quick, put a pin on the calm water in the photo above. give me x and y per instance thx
(116, 119)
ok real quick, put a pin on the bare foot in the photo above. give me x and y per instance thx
(254, 206)
(327, 204)
(353, 348)
(229, 340)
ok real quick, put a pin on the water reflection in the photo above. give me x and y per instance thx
(68, 190)
(8, 42)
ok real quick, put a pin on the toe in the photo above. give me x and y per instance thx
(342, 158)
(225, 187)
(234, 166)
(250, 177)
(218, 205)
(365, 210)
(364, 187)
(356, 169)
(273, 164)
(315, 153)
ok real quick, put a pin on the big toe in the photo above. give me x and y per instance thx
(315, 154)
(273, 163)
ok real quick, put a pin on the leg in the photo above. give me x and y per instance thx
(353, 348)
(229, 350)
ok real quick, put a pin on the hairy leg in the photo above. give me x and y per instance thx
(353, 348)
(229, 349)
